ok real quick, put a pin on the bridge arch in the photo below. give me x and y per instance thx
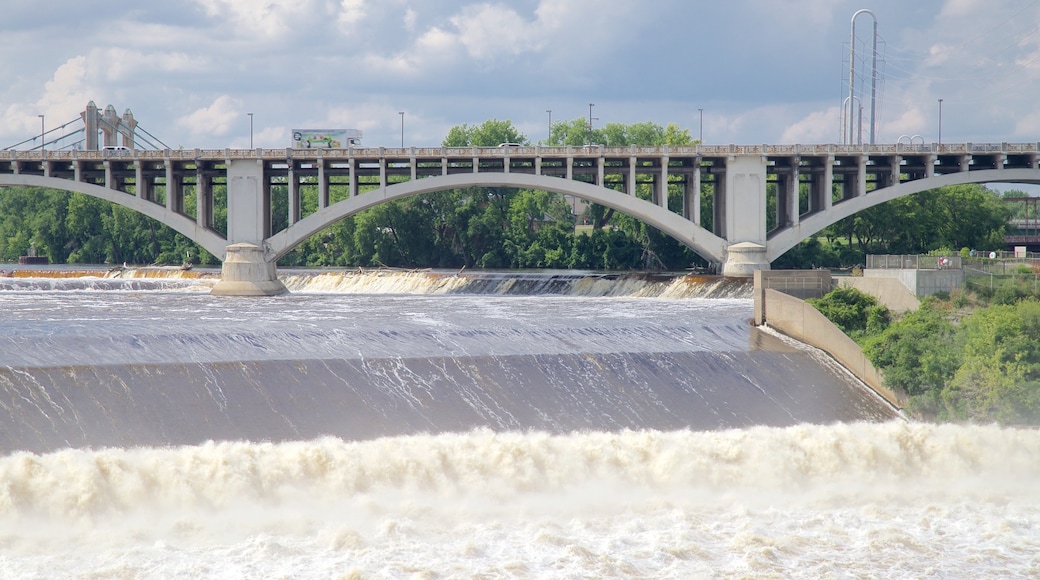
(211, 241)
(703, 242)
(791, 237)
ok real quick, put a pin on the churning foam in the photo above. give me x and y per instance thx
(892, 499)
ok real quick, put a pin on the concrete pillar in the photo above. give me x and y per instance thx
(203, 198)
(90, 127)
(662, 200)
(110, 135)
(352, 180)
(745, 195)
(719, 202)
(140, 189)
(174, 190)
(246, 271)
(323, 186)
(828, 184)
(246, 209)
(294, 192)
(861, 176)
(744, 259)
(128, 128)
(631, 175)
(693, 195)
(793, 193)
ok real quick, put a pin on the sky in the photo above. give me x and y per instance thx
(739, 71)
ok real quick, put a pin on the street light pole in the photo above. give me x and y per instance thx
(590, 122)
(250, 130)
(43, 134)
(940, 121)
(701, 136)
(550, 124)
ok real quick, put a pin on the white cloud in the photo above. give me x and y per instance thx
(911, 123)
(189, 72)
(488, 31)
(410, 19)
(270, 19)
(351, 12)
(216, 119)
(816, 127)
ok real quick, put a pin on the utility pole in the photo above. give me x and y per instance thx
(940, 121)
(590, 122)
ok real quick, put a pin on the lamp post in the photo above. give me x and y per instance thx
(402, 128)
(701, 134)
(550, 124)
(940, 121)
(250, 130)
(590, 122)
(42, 134)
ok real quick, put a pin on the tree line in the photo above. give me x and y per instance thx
(497, 228)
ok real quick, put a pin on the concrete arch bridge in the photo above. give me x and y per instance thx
(839, 180)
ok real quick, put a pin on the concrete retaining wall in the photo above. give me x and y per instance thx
(799, 320)
(922, 282)
(892, 293)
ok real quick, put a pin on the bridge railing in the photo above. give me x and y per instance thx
(912, 262)
(595, 150)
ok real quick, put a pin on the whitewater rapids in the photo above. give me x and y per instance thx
(892, 500)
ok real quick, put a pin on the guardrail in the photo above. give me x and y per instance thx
(537, 150)
(913, 262)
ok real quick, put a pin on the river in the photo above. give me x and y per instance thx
(444, 425)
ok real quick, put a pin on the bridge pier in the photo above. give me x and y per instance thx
(246, 273)
(744, 259)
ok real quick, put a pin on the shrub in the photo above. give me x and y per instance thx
(854, 312)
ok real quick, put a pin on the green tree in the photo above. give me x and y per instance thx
(917, 353)
(854, 312)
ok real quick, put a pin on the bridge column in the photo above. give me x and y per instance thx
(821, 189)
(692, 195)
(142, 185)
(895, 165)
(203, 198)
(662, 199)
(323, 186)
(352, 180)
(294, 192)
(246, 271)
(861, 177)
(631, 189)
(174, 189)
(745, 194)
(787, 194)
